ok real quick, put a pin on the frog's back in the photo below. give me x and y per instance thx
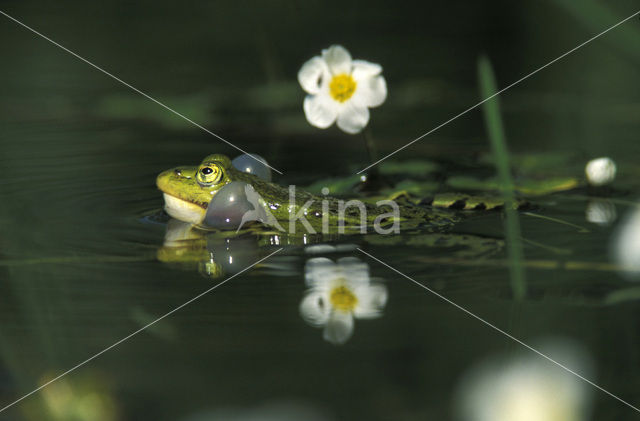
(278, 200)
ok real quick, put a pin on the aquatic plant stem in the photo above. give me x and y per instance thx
(372, 151)
(495, 131)
(373, 181)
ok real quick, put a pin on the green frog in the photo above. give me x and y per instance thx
(188, 191)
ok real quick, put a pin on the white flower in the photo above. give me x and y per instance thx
(339, 292)
(600, 171)
(526, 388)
(341, 89)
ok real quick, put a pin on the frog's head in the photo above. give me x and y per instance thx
(188, 190)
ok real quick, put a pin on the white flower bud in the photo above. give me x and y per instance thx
(600, 171)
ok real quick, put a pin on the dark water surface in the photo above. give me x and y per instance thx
(79, 154)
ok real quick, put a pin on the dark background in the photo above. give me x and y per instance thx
(79, 153)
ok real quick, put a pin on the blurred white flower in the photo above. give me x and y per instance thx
(527, 388)
(341, 89)
(601, 212)
(339, 292)
(600, 171)
(626, 243)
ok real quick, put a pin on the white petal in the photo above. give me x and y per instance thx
(363, 68)
(348, 261)
(320, 110)
(312, 74)
(354, 270)
(338, 59)
(339, 328)
(371, 91)
(314, 309)
(371, 302)
(319, 270)
(352, 117)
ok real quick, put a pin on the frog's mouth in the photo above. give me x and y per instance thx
(183, 210)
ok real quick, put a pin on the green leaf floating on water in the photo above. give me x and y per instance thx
(415, 192)
(527, 187)
(418, 187)
(471, 202)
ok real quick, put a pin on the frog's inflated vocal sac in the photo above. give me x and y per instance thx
(189, 190)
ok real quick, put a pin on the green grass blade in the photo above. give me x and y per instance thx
(495, 130)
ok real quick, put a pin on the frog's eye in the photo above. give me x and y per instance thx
(209, 174)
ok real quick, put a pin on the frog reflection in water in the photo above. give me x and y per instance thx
(188, 191)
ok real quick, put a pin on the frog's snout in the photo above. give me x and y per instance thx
(163, 179)
(171, 179)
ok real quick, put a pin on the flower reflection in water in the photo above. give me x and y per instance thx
(339, 292)
(601, 212)
(626, 244)
(528, 388)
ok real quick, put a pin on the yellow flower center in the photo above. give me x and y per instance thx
(343, 299)
(342, 87)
